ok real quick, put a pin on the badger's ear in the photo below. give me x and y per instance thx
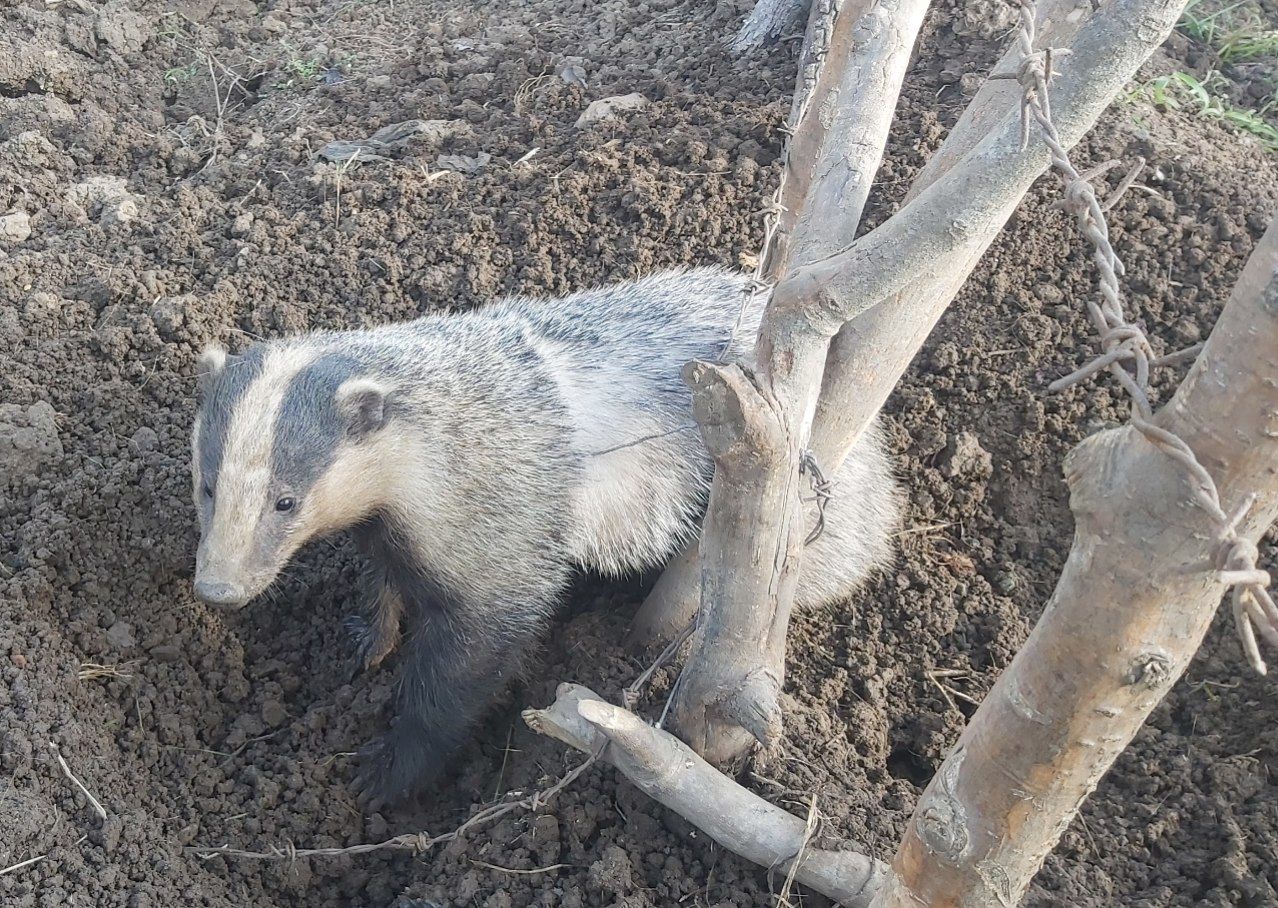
(362, 403)
(210, 362)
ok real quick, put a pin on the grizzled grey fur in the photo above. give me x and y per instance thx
(483, 458)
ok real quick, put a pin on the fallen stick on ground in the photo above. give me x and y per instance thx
(94, 802)
(667, 770)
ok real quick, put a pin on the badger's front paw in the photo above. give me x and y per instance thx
(395, 767)
(369, 642)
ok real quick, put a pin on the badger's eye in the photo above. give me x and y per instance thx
(208, 490)
(285, 504)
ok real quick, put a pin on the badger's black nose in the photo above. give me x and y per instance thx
(219, 592)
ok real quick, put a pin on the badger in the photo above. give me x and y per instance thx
(480, 459)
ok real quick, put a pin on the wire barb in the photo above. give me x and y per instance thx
(822, 490)
(1125, 349)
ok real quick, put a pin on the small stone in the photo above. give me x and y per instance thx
(145, 439)
(28, 439)
(15, 227)
(1049, 293)
(612, 873)
(108, 834)
(120, 635)
(965, 457)
(165, 652)
(121, 29)
(273, 713)
(169, 315)
(122, 211)
(546, 839)
(608, 108)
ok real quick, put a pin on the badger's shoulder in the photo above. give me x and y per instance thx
(687, 312)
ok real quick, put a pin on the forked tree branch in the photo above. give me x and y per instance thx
(755, 425)
(667, 770)
(849, 80)
(1143, 579)
(871, 352)
(751, 540)
(856, 384)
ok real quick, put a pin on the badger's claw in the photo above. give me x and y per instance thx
(395, 767)
(368, 646)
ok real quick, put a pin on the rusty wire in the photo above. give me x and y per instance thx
(1127, 354)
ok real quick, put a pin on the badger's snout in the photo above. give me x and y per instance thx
(216, 591)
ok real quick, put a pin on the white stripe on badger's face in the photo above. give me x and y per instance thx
(196, 477)
(229, 550)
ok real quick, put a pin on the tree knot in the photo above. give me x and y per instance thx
(1149, 670)
(941, 819)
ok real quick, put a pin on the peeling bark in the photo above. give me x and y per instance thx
(768, 22)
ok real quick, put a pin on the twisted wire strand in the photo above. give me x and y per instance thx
(1127, 354)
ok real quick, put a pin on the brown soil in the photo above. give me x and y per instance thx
(164, 213)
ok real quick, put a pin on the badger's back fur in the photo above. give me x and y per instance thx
(486, 455)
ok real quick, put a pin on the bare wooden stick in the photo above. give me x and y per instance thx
(667, 770)
(13, 868)
(1138, 593)
(835, 154)
(93, 802)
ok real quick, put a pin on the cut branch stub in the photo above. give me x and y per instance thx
(735, 418)
(755, 706)
(727, 697)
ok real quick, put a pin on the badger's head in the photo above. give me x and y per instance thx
(288, 444)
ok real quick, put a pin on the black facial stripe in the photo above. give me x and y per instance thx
(308, 429)
(218, 407)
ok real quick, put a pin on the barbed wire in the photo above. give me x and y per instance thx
(1126, 352)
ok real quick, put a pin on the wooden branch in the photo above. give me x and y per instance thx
(1137, 595)
(836, 152)
(727, 695)
(848, 83)
(767, 22)
(667, 770)
(871, 352)
(947, 222)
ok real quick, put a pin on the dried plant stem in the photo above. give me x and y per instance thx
(93, 802)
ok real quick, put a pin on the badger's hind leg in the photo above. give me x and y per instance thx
(375, 634)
